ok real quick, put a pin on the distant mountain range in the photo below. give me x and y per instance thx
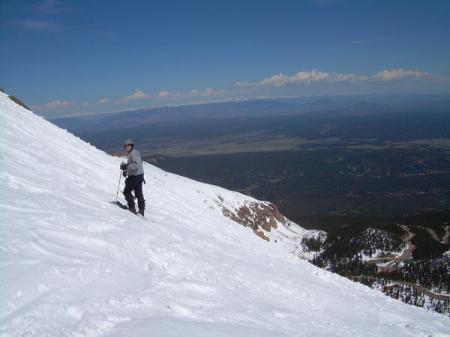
(338, 106)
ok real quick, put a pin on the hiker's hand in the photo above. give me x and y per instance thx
(123, 166)
(124, 173)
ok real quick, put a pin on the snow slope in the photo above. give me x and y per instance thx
(72, 264)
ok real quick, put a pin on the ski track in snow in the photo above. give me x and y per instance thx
(72, 264)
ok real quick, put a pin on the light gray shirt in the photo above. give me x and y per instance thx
(134, 161)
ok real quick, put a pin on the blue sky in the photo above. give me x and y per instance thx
(66, 57)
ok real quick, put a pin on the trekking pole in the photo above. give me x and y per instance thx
(118, 187)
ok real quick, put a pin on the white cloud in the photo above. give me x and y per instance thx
(240, 84)
(36, 25)
(136, 95)
(350, 77)
(398, 74)
(277, 80)
(208, 92)
(52, 105)
(163, 93)
(280, 83)
(310, 77)
(302, 77)
(103, 101)
(52, 7)
(57, 104)
(316, 76)
(202, 93)
(194, 92)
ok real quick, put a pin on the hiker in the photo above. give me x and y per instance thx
(134, 172)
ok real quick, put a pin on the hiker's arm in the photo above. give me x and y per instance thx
(132, 161)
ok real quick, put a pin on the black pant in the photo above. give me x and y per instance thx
(134, 183)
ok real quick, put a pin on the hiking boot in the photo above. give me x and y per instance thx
(132, 210)
(141, 212)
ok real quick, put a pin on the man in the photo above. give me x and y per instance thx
(135, 172)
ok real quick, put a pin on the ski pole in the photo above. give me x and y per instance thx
(118, 186)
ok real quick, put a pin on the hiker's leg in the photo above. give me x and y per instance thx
(140, 195)
(129, 186)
